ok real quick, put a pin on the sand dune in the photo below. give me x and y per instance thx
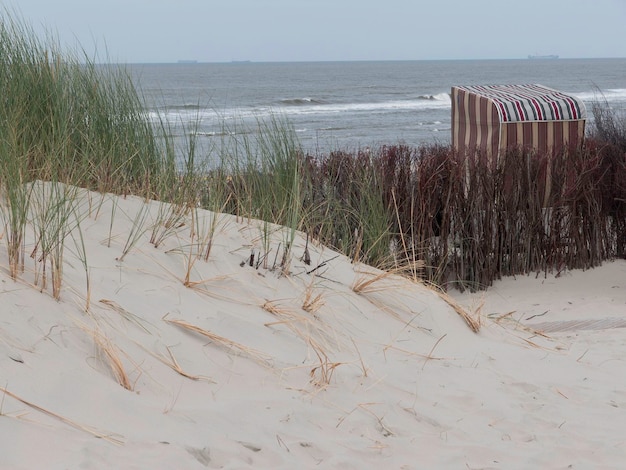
(166, 360)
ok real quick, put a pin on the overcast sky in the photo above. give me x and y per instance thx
(304, 30)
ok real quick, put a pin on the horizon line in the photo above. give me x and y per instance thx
(250, 62)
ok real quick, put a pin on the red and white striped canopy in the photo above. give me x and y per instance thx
(520, 103)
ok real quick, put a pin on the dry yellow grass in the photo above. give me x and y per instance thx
(173, 364)
(113, 438)
(473, 321)
(366, 282)
(322, 374)
(221, 340)
(312, 303)
(304, 326)
(112, 357)
(371, 281)
(128, 316)
(272, 306)
(286, 317)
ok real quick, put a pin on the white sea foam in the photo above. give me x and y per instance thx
(441, 101)
(610, 95)
(445, 97)
(367, 107)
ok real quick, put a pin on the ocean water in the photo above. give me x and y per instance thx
(351, 105)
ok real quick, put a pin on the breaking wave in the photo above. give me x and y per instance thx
(438, 97)
(300, 102)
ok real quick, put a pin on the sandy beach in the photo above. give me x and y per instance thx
(155, 358)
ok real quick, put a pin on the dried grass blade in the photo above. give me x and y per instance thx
(125, 313)
(172, 363)
(326, 369)
(74, 424)
(113, 359)
(430, 354)
(176, 367)
(471, 321)
(221, 340)
(293, 319)
(363, 284)
(312, 304)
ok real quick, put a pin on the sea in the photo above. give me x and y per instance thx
(349, 105)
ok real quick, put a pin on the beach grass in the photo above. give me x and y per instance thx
(430, 213)
(71, 123)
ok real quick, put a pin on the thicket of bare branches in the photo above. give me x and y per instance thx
(470, 219)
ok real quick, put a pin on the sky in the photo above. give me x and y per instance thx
(132, 31)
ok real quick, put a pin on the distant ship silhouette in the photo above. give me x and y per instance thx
(549, 56)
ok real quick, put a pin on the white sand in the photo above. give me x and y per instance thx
(389, 378)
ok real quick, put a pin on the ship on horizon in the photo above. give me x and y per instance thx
(537, 56)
